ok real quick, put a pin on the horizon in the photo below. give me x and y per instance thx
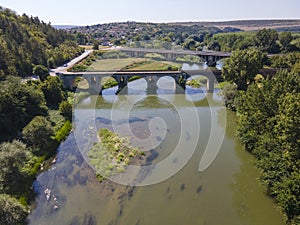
(75, 13)
(171, 22)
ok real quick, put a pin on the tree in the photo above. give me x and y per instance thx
(229, 92)
(53, 91)
(41, 71)
(189, 44)
(11, 211)
(285, 39)
(14, 158)
(214, 45)
(266, 41)
(242, 67)
(38, 133)
(96, 45)
(66, 110)
(19, 103)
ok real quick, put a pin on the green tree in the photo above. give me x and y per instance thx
(242, 67)
(285, 39)
(266, 40)
(11, 211)
(14, 159)
(19, 103)
(96, 45)
(41, 71)
(214, 45)
(38, 133)
(66, 110)
(189, 44)
(229, 92)
(53, 91)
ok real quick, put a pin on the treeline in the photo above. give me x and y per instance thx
(266, 40)
(26, 42)
(268, 110)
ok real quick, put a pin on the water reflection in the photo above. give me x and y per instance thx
(225, 194)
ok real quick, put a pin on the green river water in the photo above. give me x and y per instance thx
(226, 193)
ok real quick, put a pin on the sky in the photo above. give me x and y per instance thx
(89, 12)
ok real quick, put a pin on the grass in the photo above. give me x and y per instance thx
(108, 82)
(86, 47)
(82, 83)
(197, 82)
(113, 64)
(111, 154)
(150, 66)
(132, 64)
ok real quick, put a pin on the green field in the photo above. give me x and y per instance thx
(132, 64)
(113, 64)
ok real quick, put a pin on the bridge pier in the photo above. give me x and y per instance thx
(94, 84)
(181, 81)
(122, 83)
(210, 85)
(151, 84)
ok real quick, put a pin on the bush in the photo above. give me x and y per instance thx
(64, 131)
(66, 110)
(229, 92)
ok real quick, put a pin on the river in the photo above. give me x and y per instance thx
(225, 192)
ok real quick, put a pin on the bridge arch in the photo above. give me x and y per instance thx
(167, 84)
(80, 82)
(141, 87)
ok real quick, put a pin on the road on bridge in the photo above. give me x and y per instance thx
(63, 69)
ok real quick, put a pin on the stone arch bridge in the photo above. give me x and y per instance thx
(209, 57)
(180, 77)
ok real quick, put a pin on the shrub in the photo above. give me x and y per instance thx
(64, 131)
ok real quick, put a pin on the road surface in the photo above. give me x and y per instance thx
(63, 69)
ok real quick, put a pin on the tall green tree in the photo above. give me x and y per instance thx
(53, 91)
(41, 71)
(38, 133)
(242, 67)
(285, 39)
(11, 211)
(14, 159)
(66, 110)
(266, 40)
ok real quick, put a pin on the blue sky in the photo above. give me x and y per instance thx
(79, 12)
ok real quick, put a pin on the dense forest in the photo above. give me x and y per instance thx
(26, 42)
(34, 115)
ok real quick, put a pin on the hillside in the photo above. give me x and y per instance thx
(26, 42)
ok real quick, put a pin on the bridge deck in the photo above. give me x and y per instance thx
(179, 52)
(204, 72)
